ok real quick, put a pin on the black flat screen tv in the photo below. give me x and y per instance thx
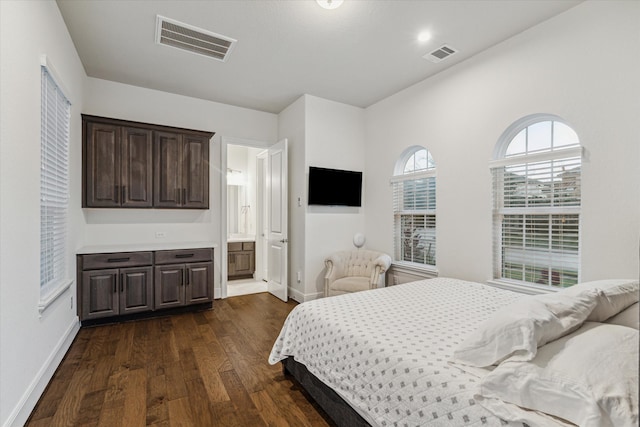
(334, 187)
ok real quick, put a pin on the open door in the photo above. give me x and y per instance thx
(277, 238)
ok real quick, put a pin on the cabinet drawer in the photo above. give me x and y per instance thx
(234, 246)
(116, 260)
(184, 255)
(248, 246)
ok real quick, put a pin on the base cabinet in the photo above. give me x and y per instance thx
(241, 262)
(115, 292)
(184, 283)
(117, 284)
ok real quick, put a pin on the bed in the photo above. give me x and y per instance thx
(389, 357)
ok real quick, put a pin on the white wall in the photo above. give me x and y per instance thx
(31, 345)
(291, 125)
(110, 99)
(583, 66)
(334, 139)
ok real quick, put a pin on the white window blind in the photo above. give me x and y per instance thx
(537, 193)
(54, 184)
(414, 208)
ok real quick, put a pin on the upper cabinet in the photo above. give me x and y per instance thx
(118, 162)
(181, 171)
(138, 165)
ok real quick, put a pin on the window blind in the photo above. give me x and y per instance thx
(414, 207)
(537, 216)
(54, 184)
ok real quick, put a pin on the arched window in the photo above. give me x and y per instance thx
(414, 207)
(536, 189)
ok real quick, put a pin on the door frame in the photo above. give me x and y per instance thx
(224, 141)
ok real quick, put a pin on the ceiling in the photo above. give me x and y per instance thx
(357, 54)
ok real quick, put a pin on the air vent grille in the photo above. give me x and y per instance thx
(441, 53)
(192, 39)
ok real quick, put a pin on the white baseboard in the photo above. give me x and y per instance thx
(29, 399)
(296, 295)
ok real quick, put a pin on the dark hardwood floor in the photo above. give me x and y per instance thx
(198, 369)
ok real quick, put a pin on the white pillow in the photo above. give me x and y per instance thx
(589, 378)
(629, 317)
(517, 330)
(617, 294)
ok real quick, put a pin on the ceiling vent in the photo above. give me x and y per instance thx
(440, 54)
(196, 40)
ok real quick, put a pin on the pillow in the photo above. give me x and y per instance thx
(629, 317)
(618, 294)
(520, 328)
(589, 378)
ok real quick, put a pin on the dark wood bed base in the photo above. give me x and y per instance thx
(334, 405)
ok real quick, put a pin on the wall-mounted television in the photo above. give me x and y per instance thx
(334, 187)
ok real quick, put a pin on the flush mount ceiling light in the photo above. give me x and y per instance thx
(330, 4)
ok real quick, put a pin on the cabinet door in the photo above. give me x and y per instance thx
(169, 286)
(195, 172)
(231, 265)
(102, 165)
(100, 293)
(199, 286)
(244, 263)
(136, 290)
(137, 168)
(167, 185)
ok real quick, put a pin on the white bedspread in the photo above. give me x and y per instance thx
(385, 351)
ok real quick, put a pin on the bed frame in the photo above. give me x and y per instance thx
(335, 406)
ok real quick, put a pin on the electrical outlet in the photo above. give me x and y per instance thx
(71, 303)
(161, 234)
(299, 277)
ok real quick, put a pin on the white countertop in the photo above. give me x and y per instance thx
(137, 247)
(241, 238)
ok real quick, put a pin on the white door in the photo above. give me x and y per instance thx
(262, 217)
(277, 222)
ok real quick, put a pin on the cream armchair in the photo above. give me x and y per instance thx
(352, 271)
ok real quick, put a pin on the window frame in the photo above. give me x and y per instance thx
(399, 178)
(55, 274)
(499, 210)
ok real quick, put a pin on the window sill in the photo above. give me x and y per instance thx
(49, 299)
(522, 287)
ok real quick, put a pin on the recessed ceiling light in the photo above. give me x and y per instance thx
(330, 4)
(424, 36)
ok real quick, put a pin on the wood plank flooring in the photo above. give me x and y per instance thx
(198, 369)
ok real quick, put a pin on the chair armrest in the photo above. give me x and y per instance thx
(380, 267)
(384, 262)
(335, 270)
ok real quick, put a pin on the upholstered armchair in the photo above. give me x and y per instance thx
(352, 271)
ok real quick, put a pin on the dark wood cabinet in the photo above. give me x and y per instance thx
(138, 165)
(122, 283)
(183, 277)
(106, 292)
(241, 262)
(137, 168)
(117, 166)
(181, 171)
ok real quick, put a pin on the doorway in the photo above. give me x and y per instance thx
(245, 172)
(254, 219)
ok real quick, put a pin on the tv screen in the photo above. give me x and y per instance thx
(334, 187)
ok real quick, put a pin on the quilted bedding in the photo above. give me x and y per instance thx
(386, 351)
